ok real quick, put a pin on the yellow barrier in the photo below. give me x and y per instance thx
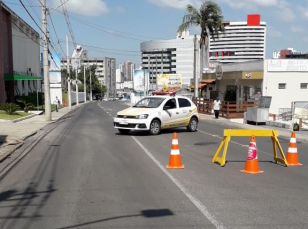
(248, 133)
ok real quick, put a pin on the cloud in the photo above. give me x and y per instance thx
(87, 8)
(297, 29)
(249, 4)
(303, 11)
(178, 4)
(272, 32)
(284, 12)
(120, 9)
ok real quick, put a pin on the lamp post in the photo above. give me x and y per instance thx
(84, 83)
(90, 85)
(77, 101)
(144, 83)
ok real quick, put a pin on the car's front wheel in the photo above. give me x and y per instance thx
(124, 131)
(193, 125)
(155, 127)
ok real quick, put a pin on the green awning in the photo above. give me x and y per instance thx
(20, 77)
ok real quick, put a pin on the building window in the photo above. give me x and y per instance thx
(304, 85)
(282, 86)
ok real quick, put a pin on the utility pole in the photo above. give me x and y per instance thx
(90, 85)
(68, 76)
(84, 83)
(195, 72)
(144, 82)
(77, 100)
(45, 63)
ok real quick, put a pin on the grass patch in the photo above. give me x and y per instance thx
(5, 116)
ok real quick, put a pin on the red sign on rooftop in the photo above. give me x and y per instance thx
(253, 20)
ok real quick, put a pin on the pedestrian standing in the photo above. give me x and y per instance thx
(57, 103)
(216, 107)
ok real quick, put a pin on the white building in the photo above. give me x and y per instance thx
(286, 81)
(20, 70)
(242, 41)
(105, 68)
(174, 56)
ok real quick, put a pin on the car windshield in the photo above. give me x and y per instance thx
(149, 102)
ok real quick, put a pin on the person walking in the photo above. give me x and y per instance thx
(57, 103)
(216, 107)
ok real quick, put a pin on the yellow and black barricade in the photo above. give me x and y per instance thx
(248, 133)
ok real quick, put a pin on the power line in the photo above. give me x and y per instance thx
(58, 41)
(31, 16)
(68, 23)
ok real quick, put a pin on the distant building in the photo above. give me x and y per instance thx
(174, 56)
(127, 71)
(242, 41)
(105, 68)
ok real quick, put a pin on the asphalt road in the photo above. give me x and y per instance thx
(83, 174)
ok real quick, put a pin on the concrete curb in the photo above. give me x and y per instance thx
(23, 118)
(8, 167)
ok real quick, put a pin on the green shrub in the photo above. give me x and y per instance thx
(26, 106)
(10, 108)
(31, 98)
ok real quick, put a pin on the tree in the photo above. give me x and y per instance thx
(210, 20)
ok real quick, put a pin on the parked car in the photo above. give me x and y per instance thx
(155, 113)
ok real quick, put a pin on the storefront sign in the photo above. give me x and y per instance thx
(287, 65)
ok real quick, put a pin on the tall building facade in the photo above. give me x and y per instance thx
(105, 68)
(20, 70)
(241, 41)
(127, 71)
(174, 56)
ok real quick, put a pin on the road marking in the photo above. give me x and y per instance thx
(236, 143)
(193, 199)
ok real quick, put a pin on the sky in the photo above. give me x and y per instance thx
(115, 28)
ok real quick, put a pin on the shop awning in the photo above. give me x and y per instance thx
(21, 77)
(208, 81)
(200, 85)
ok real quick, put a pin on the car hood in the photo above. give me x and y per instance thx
(135, 111)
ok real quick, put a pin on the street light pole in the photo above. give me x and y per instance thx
(90, 85)
(68, 76)
(84, 83)
(77, 102)
(144, 92)
(45, 63)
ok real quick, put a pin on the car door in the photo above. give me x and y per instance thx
(170, 114)
(185, 111)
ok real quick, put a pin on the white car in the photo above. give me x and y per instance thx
(154, 113)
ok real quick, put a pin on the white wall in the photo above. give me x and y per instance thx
(282, 98)
(26, 53)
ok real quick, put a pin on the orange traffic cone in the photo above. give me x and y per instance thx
(292, 156)
(175, 157)
(252, 164)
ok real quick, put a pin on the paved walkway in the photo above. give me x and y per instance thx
(13, 134)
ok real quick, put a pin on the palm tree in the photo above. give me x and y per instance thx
(210, 20)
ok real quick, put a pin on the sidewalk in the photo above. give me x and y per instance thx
(13, 133)
(284, 131)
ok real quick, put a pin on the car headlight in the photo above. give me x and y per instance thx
(143, 116)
